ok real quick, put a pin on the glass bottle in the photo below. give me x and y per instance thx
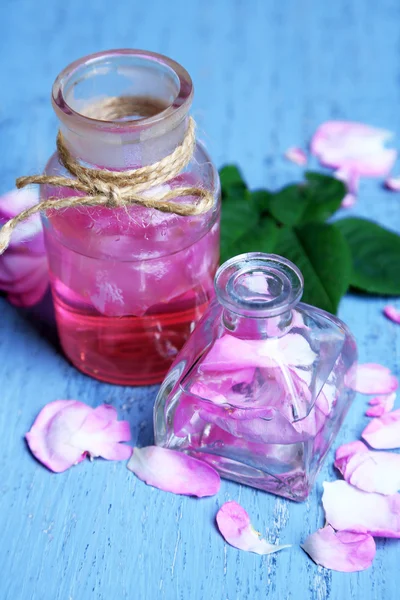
(261, 388)
(129, 284)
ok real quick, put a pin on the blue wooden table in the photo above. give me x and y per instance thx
(266, 74)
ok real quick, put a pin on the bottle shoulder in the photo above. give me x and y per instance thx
(316, 350)
(138, 231)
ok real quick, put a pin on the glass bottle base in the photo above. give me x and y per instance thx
(130, 350)
(293, 486)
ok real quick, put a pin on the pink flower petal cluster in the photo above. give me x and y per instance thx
(363, 506)
(66, 431)
(23, 267)
(366, 504)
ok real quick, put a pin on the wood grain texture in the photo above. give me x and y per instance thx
(266, 74)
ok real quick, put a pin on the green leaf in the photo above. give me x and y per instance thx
(324, 195)
(261, 200)
(232, 183)
(288, 205)
(314, 201)
(238, 217)
(376, 256)
(230, 175)
(261, 238)
(323, 256)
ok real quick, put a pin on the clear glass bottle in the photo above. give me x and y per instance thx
(261, 388)
(129, 284)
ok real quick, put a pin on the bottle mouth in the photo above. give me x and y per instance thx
(258, 285)
(122, 89)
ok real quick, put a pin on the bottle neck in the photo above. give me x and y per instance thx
(248, 328)
(123, 109)
(258, 293)
(118, 149)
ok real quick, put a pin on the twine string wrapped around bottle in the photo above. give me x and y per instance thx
(116, 189)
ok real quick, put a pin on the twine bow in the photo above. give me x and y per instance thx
(116, 189)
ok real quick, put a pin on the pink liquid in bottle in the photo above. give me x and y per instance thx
(125, 321)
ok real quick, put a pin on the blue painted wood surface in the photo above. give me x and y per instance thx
(266, 74)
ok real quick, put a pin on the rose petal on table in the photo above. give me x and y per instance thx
(348, 508)
(101, 433)
(23, 267)
(392, 313)
(174, 471)
(349, 201)
(354, 147)
(235, 527)
(381, 405)
(349, 449)
(368, 470)
(383, 433)
(371, 378)
(343, 551)
(65, 431)
(296, 155)
(393, 184)
(50, 435)
(350, 178)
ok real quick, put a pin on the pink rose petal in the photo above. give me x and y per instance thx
(24, 278)
(368, 470)
(349, 201)
(350, 178)
(103, 431)
(393, 183)
(28, 233)
(65, 431)
(371, 378)
(381, 405)
(174, 471)
(353, 147)
(232, 397)
(23, 267)
(187, 420)
(230, 353)
(347, 508)
(296, 155)
(392, 313)
(221, 389)
(344, 551)
(235, 527)
(383, 433)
